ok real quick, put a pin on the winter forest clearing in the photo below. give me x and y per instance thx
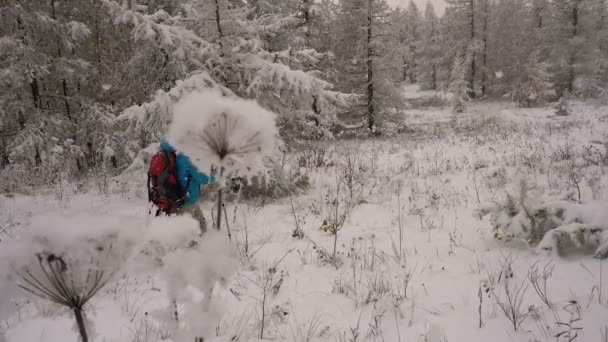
(367, 173)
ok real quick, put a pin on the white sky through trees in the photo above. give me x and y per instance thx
(439, 4)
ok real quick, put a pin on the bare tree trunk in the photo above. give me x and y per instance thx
(539, 18)
(64, 83)
(218, 24)
(308, 41)
(485, 49)
(35, 92)
(34, 87)
(370, 70)
(571, 72)
(471, 84)
(434, 78)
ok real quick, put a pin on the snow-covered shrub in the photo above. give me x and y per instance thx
(534, 86)
(558, 224)
(562, 107)
(426, 102)
(275, 184)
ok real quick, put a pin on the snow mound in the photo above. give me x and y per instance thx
(552, 224)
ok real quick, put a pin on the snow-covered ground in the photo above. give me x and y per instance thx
(445, 279)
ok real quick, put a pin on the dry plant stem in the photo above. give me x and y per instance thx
(601, 281)
(219, 209)
(80, 322)
(219, 203)
(57, 288)
(400, 225)
(227, 224)
(512, 307)
(480, 294)
(397, 322)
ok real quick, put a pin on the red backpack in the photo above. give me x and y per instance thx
(164, 189)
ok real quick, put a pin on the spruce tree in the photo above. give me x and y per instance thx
(429, 53)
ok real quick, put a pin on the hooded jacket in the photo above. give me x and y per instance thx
(189, 176)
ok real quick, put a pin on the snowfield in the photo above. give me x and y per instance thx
(413, 260)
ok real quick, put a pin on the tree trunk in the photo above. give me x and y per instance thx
(485, 49)
(64, 86)
(64, 83)
(308, 42)
(307, 21)
(370, 70)
(35, 92)
(571, 72)
(413, 76)
(218, 24)
(471, 82)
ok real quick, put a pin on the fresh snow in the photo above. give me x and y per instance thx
(431, 180)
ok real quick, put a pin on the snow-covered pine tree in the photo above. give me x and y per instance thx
(485, 18)
(571, 46)
(514, 33)
(39, 78)
(592, 55)
(366, 61)
(241, 55)
(413, 35)
(462, 34)
(299, 37)
(459, 92)
(534, 86)
(429, 52)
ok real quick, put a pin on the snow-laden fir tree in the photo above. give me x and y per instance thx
(39, 78)
(429, 51)
(366, 60)
(534, 86)
(458, 87)
(235, 60)
(576, 46)
(515, 34)
(413, 34)
(460, 21)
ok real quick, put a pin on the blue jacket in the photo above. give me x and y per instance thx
(189, 176)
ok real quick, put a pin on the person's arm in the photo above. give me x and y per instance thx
(199, 177)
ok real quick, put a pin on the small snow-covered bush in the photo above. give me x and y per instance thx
(557, 224)
(278, 184)
(534, 86)
(562, 107)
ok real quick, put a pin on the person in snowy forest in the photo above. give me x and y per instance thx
(191, 179)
